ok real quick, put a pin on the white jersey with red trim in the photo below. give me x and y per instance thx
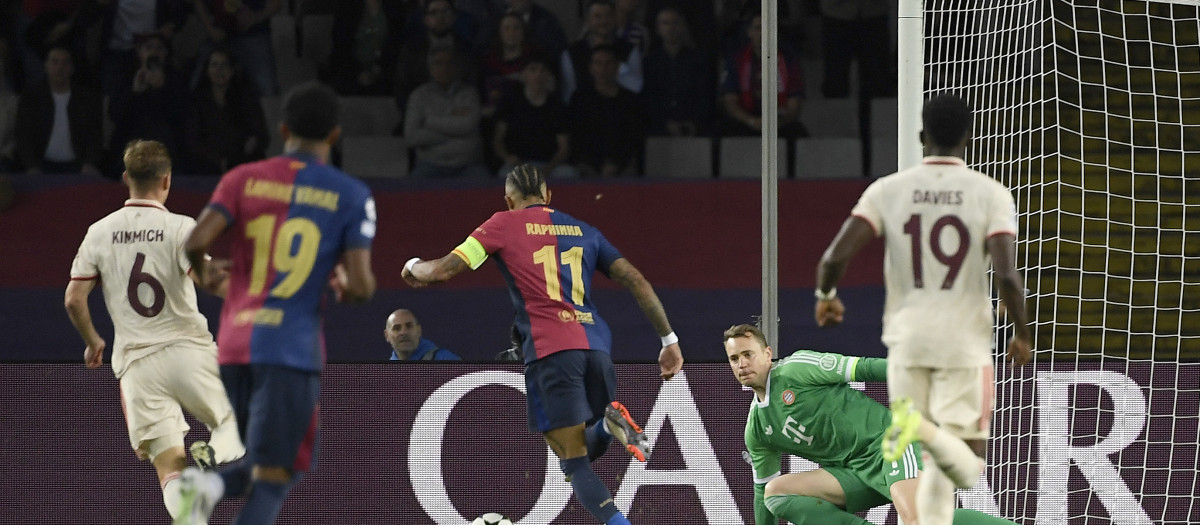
(935, 220)
(137, 253)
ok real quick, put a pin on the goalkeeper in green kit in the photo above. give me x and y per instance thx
(803, 406)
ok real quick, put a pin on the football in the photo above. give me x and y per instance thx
(492, 518)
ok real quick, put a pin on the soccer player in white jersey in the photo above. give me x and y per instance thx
(942, 224)
(163, 353)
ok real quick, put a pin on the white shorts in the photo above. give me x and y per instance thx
(156, 386)
(959, 400)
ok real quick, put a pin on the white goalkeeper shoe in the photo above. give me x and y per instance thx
(199, 492)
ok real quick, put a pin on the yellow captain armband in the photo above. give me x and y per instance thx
(472, 251)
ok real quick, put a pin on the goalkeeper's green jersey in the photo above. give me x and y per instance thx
(811, 412)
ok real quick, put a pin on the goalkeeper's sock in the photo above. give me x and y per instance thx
(263, 504)
(974, 517)
(598, 440)
(956, 459)
(807, 510)
(171, 495)
(589, 490)
(935, 496)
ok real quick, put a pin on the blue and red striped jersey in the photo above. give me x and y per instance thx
(548, 259)
(291, 217)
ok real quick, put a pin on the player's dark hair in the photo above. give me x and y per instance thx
(606, 48)
(609, 3)
(426, 4)
(744, 330)
(946, 120)
(537, 57)
(310, 110)
(526, 179)
(146, 161)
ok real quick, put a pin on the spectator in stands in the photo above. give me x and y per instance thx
(531, 125)
(700, 18)
(442, 122)
(600, 29)
(366, 43)
(121, 22)
(244, 26)
(503, 61)
(606, 121)
(8, 114)
(152, 106)
(40, 25)
(857, 30)
(226, 125)
(412, 70)
(403, 332)
(542, 27)
(740, 88)
(679, 92)
(59, 120)
(629, 28)
(470, 17)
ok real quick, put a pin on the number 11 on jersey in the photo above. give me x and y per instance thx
(572, 258)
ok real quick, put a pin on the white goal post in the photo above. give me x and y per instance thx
(1089, 110)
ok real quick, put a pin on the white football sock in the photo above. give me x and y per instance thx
(227, 445)
(935, 496)
(171, 495)
(957, 461)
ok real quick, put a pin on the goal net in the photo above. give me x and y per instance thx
(1090, 112)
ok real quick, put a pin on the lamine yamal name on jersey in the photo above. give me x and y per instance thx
(132, 236)
(299, 193)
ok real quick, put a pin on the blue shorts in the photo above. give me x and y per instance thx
(277, 413)
(569, 387)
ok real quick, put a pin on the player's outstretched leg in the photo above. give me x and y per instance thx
(956, 459)
(906, 422)
(807, 510)
(620, 424)
(974, 517)
(199, 493)
(935, 496)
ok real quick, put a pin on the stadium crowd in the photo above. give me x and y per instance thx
(479, 85)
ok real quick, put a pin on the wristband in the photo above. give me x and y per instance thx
(825, 296)
(409, 265)
(669, 339)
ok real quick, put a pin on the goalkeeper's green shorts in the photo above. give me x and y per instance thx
(870, 486)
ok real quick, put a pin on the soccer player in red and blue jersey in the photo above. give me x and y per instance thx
(548, 258)
(293, 221)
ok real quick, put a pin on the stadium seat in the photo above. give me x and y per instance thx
(741, 158)
(283, 35)
(829, 158)
(316, 37)
(831, 117)
(380, 156)
(362, 116)
(290, 71)
(679, 157)
(884, 119)
(273, 112)
(884, 157)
